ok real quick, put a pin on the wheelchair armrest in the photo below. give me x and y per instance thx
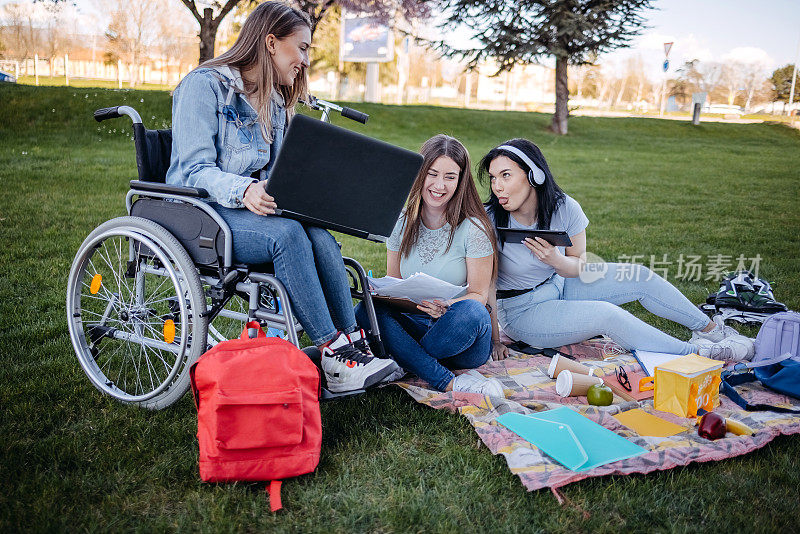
(156, 187)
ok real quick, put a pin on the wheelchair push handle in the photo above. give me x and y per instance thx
(106, 113)
(117, 111)
(355, 115)
(326, 108)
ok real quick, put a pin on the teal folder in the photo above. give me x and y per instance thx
(575, 441)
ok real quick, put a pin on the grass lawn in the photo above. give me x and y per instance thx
(71, 459)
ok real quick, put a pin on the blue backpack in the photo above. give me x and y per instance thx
(776, 363)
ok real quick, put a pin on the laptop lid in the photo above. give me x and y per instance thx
(341, 180)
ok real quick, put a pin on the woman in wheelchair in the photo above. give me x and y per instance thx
(444, 232)
(229, 117)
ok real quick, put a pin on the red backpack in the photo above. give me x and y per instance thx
(258, 415)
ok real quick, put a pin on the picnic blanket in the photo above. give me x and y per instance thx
(528, 389)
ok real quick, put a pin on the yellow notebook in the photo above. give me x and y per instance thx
(647, 424)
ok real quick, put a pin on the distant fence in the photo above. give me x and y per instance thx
(155, 72)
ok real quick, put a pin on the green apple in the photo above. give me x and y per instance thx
(600, 395)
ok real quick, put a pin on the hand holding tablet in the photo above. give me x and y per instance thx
(557, 238)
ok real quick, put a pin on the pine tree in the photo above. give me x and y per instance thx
(525, 31)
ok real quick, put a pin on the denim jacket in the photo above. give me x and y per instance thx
(217, 141)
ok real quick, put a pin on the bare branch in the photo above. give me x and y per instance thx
(225, 10)
(193, 8)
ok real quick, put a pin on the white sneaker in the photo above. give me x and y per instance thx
(731, 348)
(359, 341)
(348, 369)
(720, 333)
(474, 382)
(397, 375)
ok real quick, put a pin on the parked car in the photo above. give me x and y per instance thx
(5, 77)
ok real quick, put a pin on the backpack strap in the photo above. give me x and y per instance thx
(727, 387)
(741, 366)
(274, 490)
(778, 336)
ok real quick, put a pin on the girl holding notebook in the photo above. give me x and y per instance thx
(228, 121)
(443, 232)
(547, 297)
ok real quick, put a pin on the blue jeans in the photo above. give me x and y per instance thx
(428, 347)
(568, 310)
(307, 261)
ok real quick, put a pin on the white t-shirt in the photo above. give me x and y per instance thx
(518, 268)
(428, 253)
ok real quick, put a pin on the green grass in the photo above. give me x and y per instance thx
(81, 83)
(71, 459)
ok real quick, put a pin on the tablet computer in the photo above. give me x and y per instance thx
(557, 238)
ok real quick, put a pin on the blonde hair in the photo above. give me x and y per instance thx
(250, 49)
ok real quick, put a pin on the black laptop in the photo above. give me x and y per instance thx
(341, 180)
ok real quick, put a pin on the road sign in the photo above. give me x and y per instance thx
(666, 65)
(667, 48)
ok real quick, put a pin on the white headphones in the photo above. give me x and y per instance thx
(535, 174)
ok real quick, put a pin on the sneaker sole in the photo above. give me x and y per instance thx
(369, 382)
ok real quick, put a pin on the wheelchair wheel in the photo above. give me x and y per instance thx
(135, 310)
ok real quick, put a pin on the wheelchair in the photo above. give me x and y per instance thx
(150, 292)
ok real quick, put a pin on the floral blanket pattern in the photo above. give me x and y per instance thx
(528, 389)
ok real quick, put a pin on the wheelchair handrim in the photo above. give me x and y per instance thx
(77, 336)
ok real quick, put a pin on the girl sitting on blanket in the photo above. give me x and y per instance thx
(443, 232)
(545, 296)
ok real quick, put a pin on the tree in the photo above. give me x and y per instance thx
(21, 34)
(209, 24)
(384, 9)
(55, 39)
(132, 32)
(752, 78)
(781, 80)
(524, 31)
(175, 43)
(704, 77)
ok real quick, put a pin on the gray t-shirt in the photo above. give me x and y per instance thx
(518, 267)
(428, 253)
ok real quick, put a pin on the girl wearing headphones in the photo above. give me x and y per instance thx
(545, 295)
(443, 232)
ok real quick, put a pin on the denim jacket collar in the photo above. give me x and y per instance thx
(233, 79)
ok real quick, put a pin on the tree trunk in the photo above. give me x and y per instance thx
(621, 92)
(208, 35)
(749, 99)
(561, 115)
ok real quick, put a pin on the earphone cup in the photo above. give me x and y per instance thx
(532, 180)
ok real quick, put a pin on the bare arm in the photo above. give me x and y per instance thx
(568, 264)
(479, 279)
(499, 351)
(393, 264)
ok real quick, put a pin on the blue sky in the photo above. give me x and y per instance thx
(721, 29)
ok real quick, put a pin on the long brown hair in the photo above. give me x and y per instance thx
(250, 49)
(465, 202)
